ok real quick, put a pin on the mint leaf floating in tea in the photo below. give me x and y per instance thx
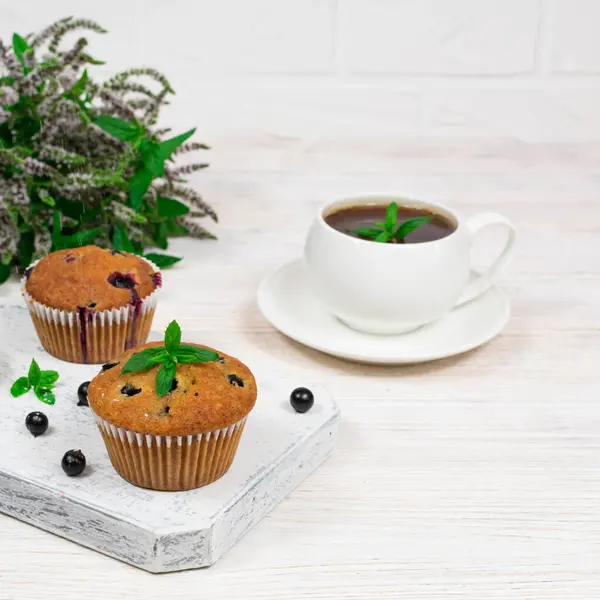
(391, 216)
(167, 357)
(410, 225)
(42, 383)
(390, 231)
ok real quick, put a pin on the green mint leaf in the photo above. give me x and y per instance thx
(391, 215)
(48, 379)
(120, 239)
(91, 60)
(162, 261)
(34, 373)
(75, 209)
(138, 186)
(160, 236)
(384, 236)
(79, 86)
(165, 376)
(20, 47)
(56, 236)
(172, 337)
(5, 273)
(45, 395)
(26, 248)
(192, 354)
(19, 387)
(168, 146)
(122, 130)
(410, 225)
(174, 229)
(48, 199)
(369, 232)
(146, 359)
(168, 207)
(81, 238)
(153, 161)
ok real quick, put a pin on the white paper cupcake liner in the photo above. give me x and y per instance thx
(171, 463)
(89, 336)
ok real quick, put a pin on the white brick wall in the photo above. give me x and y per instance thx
(337, 69)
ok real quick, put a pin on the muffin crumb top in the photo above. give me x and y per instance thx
(91, 277)
(204, 396)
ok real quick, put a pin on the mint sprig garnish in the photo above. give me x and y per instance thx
(42, 383)
(168, 356)
(391, 231)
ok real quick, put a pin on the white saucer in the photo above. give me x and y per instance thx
(287, 302)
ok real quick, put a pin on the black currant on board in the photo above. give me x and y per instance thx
(302, 399)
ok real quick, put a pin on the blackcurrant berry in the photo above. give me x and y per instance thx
(130, 390)
(36, 423)
(73, 463)
(302, 399)
(82, 394)
(124, 281)
(235, 380)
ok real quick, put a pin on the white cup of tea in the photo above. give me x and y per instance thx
(394, 288)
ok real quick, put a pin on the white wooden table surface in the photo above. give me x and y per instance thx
(475, 477)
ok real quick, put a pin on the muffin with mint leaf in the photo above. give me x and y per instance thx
(172, 414)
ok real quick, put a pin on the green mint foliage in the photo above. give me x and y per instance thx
(172, 337)
(192, 354)
(410, 225)
(122, 130)
(34, 374)
(168, 207)
(140, 183)
(120, 239)
(390, 231)
(165, 376)
(168, 356)
(146, 359)
(20, 47)
(153, 160)
(20, 386)
(42, 383)
(45, 395)
(85, 161)
(391, 216)
(162, 261)
(169, 146)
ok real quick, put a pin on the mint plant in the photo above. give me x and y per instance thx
(390, 231)
(42, 383)
(85, 162)
(168, 356)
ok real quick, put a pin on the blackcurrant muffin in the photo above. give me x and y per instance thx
(184, 439)
(89, 304)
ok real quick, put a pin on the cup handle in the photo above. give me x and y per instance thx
(486, 279)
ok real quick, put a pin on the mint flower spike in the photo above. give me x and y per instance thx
(167, 356)
(42, 383)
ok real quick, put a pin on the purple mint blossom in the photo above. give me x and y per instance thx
(8, 96)
(10, 62)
